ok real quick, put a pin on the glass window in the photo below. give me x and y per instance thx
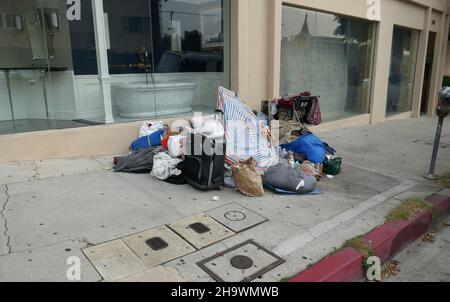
(82, 42)
(330, 56)
(405, 43)
(165, 58)
(36, 70)
(173, 53)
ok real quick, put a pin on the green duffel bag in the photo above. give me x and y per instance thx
(332, 166)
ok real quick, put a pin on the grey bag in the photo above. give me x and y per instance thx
(282, 176)
(140, 161)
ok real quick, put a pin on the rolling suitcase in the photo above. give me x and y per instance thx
(204, 164)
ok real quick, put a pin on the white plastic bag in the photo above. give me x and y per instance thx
(213, 129)
(165, 166)
(177, 145)
(149, 128)
(198, 122)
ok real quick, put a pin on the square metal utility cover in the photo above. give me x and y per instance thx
(158, 246)
(113, 260)
(236, 217)
(242, 263)
(201, 230)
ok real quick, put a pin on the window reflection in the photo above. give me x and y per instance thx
(403, 63)
(330, 56)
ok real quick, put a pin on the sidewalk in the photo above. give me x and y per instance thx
(52, 209)
(426, 260)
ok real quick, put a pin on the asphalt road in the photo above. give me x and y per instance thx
(427, 260)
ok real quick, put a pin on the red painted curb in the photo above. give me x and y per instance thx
(386, 241)
(441, 203)
(390, 238)
(344, 266)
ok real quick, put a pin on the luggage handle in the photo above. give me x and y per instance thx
(199, 166)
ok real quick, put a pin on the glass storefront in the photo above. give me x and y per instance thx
(405, 43)
(330, 56)
(35, 67)
(166, 58)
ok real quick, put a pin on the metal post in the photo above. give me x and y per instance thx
(8, 85)
(437, 142)
(44, 91)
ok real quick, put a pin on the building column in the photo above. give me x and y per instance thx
(381, 71)
(444, 47)
(102, 59)
(436, 79)
(420, 65)
(239, 47)
(275, 48)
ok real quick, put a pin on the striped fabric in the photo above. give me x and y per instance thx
(245, 136)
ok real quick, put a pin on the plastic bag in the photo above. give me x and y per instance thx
(165, 166)
(152, 140)
(176, 145)
(198, 121)
(332, 166)
(213, 129)
(310, 145)
(247, 178)
(148, 128)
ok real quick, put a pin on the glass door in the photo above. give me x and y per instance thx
(34, 51)
(405, 44)
(23, 66)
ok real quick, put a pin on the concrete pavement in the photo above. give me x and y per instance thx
(53, 209)
(427, 260)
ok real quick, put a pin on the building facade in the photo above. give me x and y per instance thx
(77, 77)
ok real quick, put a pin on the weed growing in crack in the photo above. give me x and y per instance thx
(408, 210)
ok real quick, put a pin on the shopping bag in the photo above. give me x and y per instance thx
(332, 166)
(247, 178)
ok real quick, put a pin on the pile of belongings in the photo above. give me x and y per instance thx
(161, 150)
(245, 135)
(302, 108)
(250, 161)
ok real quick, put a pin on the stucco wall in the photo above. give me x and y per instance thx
(447, 61)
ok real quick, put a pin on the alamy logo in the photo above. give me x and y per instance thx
(373, 265)
(374, 10)
(73, 273)
(73, 10)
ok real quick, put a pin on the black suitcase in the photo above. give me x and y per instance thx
(204, 164)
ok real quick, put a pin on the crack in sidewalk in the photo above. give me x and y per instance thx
(2, 213)
(36, 172)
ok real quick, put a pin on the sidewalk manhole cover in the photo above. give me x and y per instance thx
(199, 228)
(242, 263)
(236, 217)
(158, 246)
(113, 260)
(156, 243)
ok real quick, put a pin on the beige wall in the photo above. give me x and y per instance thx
(255, 70)
(447, 62)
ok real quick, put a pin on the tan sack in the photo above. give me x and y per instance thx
(247, 178)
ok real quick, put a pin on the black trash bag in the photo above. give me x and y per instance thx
(177, 179)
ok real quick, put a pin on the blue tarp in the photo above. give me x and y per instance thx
(309, 145)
